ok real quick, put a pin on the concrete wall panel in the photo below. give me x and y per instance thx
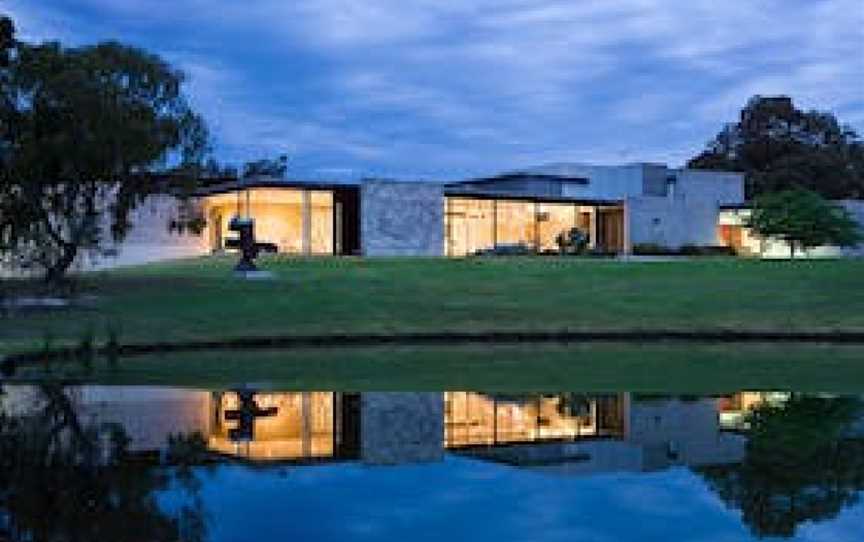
(672, 222)
(401, 218)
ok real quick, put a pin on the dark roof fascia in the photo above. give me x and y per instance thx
(450, 193)
(736, 206)
(235, 186)
(517, 175)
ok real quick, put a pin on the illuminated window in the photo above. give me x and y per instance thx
(515, 223)
(554, 219)
(296, 221)
(470, 225)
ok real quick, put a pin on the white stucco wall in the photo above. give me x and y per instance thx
(604, 182)
(671, 222)
(856, 209)
(149, 240)
(717, 187)
(689, 429)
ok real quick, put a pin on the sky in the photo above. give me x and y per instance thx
(463, 499)
(450, 89)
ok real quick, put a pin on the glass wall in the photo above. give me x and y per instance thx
(296, 221)
(280, 425)
(473, 419)
(554, 219)
(474, 224)
(321, 227)
(470, 225)
(515, 223)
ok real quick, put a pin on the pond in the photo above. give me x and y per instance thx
(162, 463)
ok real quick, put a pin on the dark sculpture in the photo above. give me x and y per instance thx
(245, 241)
(247, 245)
(245, 415)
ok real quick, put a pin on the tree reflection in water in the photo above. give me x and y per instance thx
(64, 480)
(804, 462)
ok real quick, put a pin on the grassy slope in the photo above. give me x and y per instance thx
(198, 299)
(654, 368)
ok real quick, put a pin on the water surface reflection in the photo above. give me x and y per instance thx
(254, 464)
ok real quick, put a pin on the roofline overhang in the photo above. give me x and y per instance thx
(246, 184)
(450, 193)
(516, 175)
(736, 206)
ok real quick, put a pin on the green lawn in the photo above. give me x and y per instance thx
(199, 299)
(659, 368)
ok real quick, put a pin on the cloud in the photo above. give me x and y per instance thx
(450, 88)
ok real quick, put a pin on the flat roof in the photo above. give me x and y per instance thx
(522, 175)
(467, 192)
(270, 182)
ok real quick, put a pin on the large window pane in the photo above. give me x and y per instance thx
(288, 426)
(469, 225)
(321, 223)
(554, 219)
(515, 223)
(279, 218)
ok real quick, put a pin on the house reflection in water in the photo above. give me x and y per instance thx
(277, 426)
(564, 433)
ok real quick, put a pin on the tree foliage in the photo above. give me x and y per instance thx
(86, 133)
(63, 478)
(267, 167)
(803, 219)
(803, 463)
(779, 147)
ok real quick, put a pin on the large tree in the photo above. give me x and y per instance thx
(85, 133)
(779, 147)
(803, 219)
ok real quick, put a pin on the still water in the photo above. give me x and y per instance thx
(147, 463)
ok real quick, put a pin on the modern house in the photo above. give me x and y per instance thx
(617, 207)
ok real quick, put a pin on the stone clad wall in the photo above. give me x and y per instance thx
(401, 218)
(401, 427)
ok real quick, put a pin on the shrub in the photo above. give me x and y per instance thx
(652, 249)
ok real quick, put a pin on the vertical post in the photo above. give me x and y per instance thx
(626, 400)
(494, 223)
(336, 410)
(536, 227)
(306, 424)
(338, 241)
(592, 228)
(306, 214)
(448, 227)
(625, 219)
(494, 421)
